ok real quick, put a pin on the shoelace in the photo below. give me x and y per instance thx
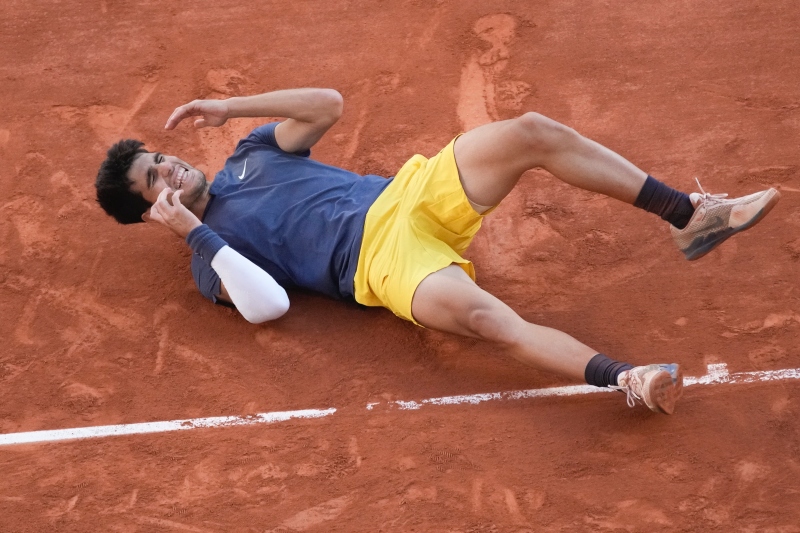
(630, 396)
(708, 197)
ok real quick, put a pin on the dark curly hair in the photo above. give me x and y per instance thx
(114, 187)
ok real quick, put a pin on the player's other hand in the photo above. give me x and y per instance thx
(211, 112)
(169, 211)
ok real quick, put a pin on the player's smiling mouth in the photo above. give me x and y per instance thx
(180, 175)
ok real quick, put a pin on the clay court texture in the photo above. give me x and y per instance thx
(102, 325)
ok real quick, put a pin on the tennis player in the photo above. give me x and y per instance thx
(273, 218)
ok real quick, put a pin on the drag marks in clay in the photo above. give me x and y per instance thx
(471, 497)
(202, 366)
(317, 515)
(268, 476)
(30, 219)
(628, 512)
(109, 123)
(363, 99)
(771, 323)
(714, 501)
(170, 524)
(482, 90)
(85, 319)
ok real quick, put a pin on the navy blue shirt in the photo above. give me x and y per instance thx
(298, 219)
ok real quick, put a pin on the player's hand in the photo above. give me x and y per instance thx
(211, 112)
(169, 211)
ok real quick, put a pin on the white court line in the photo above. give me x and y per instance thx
(158, 427)
(717, 374)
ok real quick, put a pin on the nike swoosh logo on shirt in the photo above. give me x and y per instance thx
(243, 170)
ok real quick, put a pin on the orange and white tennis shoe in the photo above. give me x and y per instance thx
(715, 219)
(657, 386)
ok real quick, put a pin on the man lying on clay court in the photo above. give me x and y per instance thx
(273, 218)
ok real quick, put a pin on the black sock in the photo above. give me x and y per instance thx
(602, 371)
(671, 205)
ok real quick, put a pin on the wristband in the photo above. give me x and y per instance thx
(205, 242)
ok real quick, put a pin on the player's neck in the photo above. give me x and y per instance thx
(198, 207)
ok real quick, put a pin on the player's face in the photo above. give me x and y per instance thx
(151, 172)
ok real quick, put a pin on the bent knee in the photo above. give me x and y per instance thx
(544, 134)
(493, 324)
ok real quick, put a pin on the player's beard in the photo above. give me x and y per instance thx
(199, 187)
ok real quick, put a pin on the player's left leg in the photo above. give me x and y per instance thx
(491, 159)
(448, 300)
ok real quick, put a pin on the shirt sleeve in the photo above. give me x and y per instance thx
(205, 244)
(206, 278)
(266, 135)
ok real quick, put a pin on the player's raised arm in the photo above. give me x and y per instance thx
(309, 113)
(211, 112)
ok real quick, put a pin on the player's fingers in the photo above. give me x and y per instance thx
(174, 119)
(176, 198)
(179, 114)
(200, 123)
(162, 202)
(155, 214)
(162, 196)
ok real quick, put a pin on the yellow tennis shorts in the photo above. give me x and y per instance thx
(421, 223)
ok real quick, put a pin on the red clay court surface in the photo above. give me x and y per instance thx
(102, 324)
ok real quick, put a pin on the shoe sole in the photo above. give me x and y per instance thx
(665, 389)
(703, 245)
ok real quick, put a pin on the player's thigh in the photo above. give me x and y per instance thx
(491, 158)
(448, 300)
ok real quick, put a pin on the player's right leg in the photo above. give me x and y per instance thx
(491, 159)
(448, 300)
